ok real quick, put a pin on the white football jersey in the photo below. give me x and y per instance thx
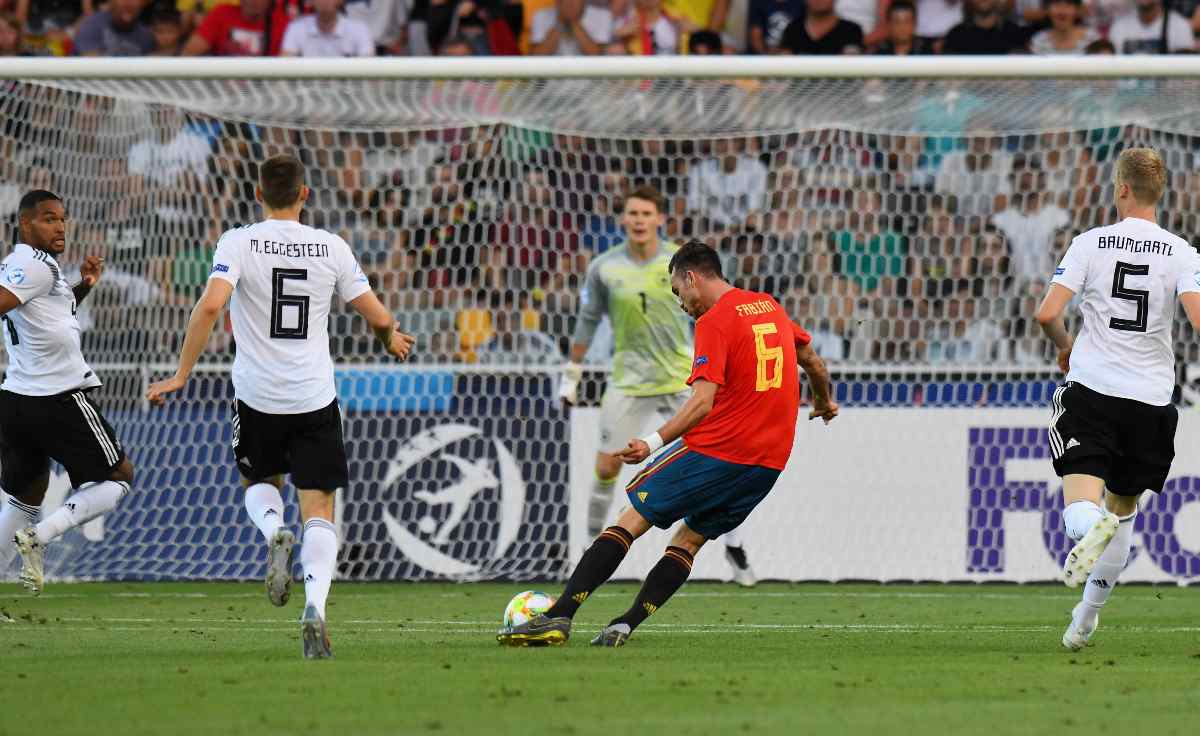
(284, 276)
(41, 335)
(1128, 277)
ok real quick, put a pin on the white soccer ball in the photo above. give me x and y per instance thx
(525, 606)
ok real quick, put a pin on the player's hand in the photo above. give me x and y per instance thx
(1064, 360)
(90, 270)
(826, 410)
(568, 388)
(401, 345)
(157, 393)
(636, 452)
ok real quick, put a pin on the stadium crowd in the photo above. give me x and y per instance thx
(323, 28)
(895, 249)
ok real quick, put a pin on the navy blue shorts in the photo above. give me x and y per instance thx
(711, 496)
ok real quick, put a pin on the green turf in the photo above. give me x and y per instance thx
(218, 659)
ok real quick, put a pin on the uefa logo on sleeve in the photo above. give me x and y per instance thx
(14, 276)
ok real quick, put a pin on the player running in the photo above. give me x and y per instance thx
(282, 276)
(724, 449)
(652, 356)
(1112, 434)
(46, 412)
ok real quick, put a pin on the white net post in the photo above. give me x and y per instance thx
(908, 216)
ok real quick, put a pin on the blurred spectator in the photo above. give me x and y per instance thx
(821, 32)
(167, 27)
(985, 30)
(900, 32)
(868, 14)
(1066, 34)
(395, 27)
(1101, 46)
(571, 28)
(116, 31)
(935, 18)
(705, 43)
(51, 24)
(768, 20)
(1146, 31)
(976, 176)
(246, 29)
(647, 30)
(1030, 225)
(699, 14)
(728, 187)
(327, 33)
(192, 11)
(456, 46)
(10, 36)
(484, 24)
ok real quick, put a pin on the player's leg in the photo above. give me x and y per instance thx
(26, 486)
(1148, 443)
(260, 448)
(81, 439)
(1083, 443)
(739, 561)
(317, 454)
(24, 473)
(1102, 580)
(664, 579)
(318, 557)
(621, 417)
(735, 550)
(597, 565)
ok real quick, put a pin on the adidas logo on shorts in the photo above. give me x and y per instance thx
(1072, 443)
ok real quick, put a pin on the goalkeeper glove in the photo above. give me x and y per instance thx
(568, 389)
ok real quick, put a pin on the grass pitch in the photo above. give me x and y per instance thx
(211, 658)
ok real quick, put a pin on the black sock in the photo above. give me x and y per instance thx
(667, 576)
(598, 564)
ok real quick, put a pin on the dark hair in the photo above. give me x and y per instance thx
(166, 15)
(1100, 46)
(281, 178)
(698, 257)
(31, 200)
(898, 5)
(649, 194)
(711, 39)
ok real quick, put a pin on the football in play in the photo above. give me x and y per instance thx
(525, 606)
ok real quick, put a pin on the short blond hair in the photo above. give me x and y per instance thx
(1145, 173)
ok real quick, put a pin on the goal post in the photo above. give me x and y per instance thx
(908, 211)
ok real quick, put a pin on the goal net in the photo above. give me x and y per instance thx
(911, 223)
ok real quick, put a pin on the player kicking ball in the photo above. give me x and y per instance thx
(282, 276)
(652, 354)
(724, 448)
(1112, 434)
(45, 410)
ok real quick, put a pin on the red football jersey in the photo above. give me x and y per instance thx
(746, 344)
(228, 33)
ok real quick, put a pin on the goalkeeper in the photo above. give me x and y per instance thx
(653, 351)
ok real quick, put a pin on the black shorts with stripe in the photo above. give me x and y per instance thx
(1127, 443)
(309, 446)
(67, 428)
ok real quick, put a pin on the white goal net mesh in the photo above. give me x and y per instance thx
(911, 225)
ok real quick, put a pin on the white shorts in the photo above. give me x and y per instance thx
(624, 417)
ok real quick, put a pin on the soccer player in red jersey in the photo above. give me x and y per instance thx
(724, 449)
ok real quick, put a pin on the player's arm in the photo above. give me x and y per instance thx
(8, 301)
(818, 380)
(1190, 301)
(383, 324)
(704, 393)
(1050, 317)
(593, 300)
(89, 275)
(200, 326)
